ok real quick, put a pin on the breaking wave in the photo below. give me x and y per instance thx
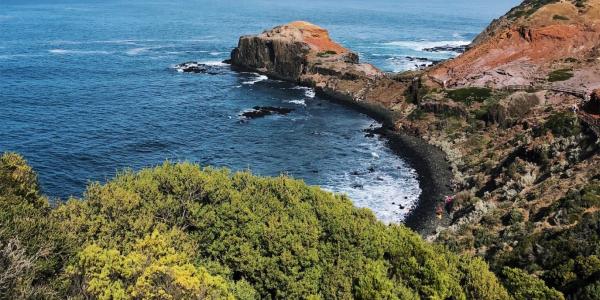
(421, 45)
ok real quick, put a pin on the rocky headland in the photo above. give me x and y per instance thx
(516, 117)
(304, 53)
(530, 42)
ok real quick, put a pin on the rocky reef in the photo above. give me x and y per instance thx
(304, 53)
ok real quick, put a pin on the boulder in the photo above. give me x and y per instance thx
(262, 111)
(511, 109)
(593, 106)
(196, 67)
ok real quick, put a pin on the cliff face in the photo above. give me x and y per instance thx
(525, 46)
(304, 53)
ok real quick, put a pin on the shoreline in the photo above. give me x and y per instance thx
(434, 176)
(430, 162)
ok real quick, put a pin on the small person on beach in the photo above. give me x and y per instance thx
(448, 201)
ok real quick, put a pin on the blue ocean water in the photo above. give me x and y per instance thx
(87, 88)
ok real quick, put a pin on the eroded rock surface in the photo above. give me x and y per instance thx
(525, 46)
(304, 53)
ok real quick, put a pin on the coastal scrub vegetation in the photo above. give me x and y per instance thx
(563, 124)
(560, 75)
(528, 189)
(178, 231)
(326, 53)
(470, 94)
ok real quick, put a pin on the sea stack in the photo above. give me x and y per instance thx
(304, 53)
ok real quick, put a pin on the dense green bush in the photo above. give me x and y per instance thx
(566, 257)
(525, 287)
(179, 231)
(327, 53)
(563, 124)
(32, 250)
(560, 17)
(470, 94)
(560, 75)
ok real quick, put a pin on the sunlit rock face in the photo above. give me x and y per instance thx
(303, 52)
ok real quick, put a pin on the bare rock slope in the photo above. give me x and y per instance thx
(526, 45)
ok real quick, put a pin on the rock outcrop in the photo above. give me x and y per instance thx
(304, 53)
(526, 45)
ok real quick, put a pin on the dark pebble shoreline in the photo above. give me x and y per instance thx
(434, 176)
(433, 170)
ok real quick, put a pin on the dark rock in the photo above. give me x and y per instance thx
(195, 67)
(357, 186)
(261, 111)
(448, 48)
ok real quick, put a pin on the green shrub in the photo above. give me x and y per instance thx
(327, 53)
(470, 94)
(32, 248)
(417, 114)
(563, 124)
(564, 257)
(560, 75)
(179, 231)
(559, 17)
(523, 286)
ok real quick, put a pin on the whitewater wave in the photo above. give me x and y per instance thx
(81, 52)
(256, 79)
(391, 198)
(216, 63)
(297, 102)
(421, 45)
(215, 53)
(406, 63)
(116, 42)
(308, 92)
(137, 51)
(16, 56)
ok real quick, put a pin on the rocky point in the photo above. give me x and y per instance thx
(304, 53)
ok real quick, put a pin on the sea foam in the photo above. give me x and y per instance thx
(256, 79)
(421, 45)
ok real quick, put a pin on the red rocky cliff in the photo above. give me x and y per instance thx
(303, 52)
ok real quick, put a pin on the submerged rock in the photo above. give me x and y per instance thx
(262, 111)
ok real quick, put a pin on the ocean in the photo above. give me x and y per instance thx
(89, 88)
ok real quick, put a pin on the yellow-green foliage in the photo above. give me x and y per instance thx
(524, 286)
(153, 269)
(179, 231)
